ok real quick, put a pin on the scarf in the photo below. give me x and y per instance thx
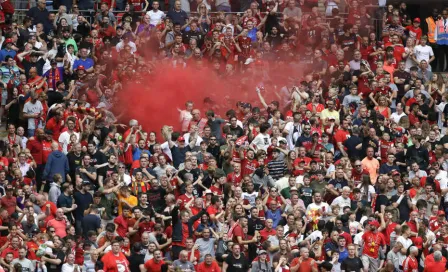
(53, 77)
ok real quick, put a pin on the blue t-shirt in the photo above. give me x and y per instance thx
(87, 63)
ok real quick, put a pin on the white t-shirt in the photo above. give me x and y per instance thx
(341, 202)
(423, 52)
(64, 139)
(371, 191)
(293, 134)
(262, 141)
(396, 117)
(354, 226)
(155, 16)
(406, 244)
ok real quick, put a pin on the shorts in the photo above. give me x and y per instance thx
(371, 263)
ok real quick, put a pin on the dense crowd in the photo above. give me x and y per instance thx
(337, 163)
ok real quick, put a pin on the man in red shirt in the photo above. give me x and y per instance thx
(235, 177)
(372, 240)
(342, 135)
(215, 208)
(436, 224)
(208, 265)
(9, 202)
(435, 262)
(410, 264)
(267, 231)
(238, 235)
(155, 264)
(115, 260)
(248, 163)
(303, 263)
(13, 248)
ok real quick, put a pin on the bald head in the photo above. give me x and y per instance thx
(54, 146)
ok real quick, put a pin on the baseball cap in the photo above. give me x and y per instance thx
(282, 141)
(293, 189)
(262, 252)
(247, 105)
(395, 172)
(374, 223)
(181, 139)
(208, 191)
(86, 182)
(81, 67)
(53, 61)
(48, 131)
(417, 20)
(9, 40)
(440, 213)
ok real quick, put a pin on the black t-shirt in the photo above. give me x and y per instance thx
(74, 162)
(237, 265)
(66, 202)
(38, 64)
(381, 200)
(107, 171)
(403, 207)
(98, 158)
(306, 194)
(253, 225)
(157, 199)
(351, 144)
(56, 268)
(54, 97)
(352, 264)
(303, 140)
(135, 260)
(349, 41)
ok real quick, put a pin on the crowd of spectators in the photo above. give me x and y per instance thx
(339, 166)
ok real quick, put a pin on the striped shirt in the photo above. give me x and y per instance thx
(277, 169)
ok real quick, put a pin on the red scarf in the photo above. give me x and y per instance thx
(53, 77)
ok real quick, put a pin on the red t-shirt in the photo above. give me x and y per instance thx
(248, 166)
(305, 265)
(237, 231)
(9, 204)
(122, 225)
(266, 233)
(410, 264)
(53, 208)
(389, 229)
(55, 126)
(114, 263)
(152, 266)
(185, 199)
(372, 243)
(203, 267)
(15, 252)
(234, 179)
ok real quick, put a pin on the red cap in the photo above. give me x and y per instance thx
(374, 223)
(417, 20)
(9, 40)
(395, 172)
(81, 67)
(181, 139)
(439, 213)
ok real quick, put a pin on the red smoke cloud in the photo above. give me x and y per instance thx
(154, 100)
